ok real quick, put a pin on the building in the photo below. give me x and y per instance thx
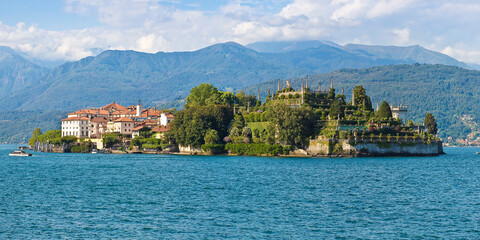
(75, 126)
(165, 119)
(121, 125)
(400, 112)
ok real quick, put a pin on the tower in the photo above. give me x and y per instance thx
(139, 111)
(306, 84)
(331, 82)
(353, 97)
(278, 85)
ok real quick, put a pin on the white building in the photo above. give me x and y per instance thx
(121, 125)
(165, 119)
(75, 126)
(400, 112)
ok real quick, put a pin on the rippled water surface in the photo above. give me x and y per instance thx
(51, 196)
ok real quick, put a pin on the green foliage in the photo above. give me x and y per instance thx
(35, 136)
(202, 95)
(255, 149)
(137, 141)
(214, 148)
(68, 139)
(80, 149)
(384, 113)
(146, 132)
(211, 137)
(190, 125)
(431, 124)
(110, 139)
(53, 136)
(293, 125)
(238, 122)
(336, 110)
(361, 98)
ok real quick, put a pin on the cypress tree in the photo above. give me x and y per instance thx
(431, 124)
(384, 113)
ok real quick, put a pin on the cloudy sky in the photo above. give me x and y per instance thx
(73, 29)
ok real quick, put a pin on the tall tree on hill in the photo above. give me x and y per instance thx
(361, 99)
(202, 95)
(384, 113)
(336, 110)
(431, 124)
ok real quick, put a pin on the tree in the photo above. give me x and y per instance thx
(191, 125)
(238, 122)
(336, 110)
(331, 94)
(35, 135)
(361, 99)
(145, 132)
(211, 137)
(292, 126)
(384, 113)
(202, 95)
(109, 140)
(431, 124)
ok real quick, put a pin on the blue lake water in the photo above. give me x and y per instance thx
(79, 196)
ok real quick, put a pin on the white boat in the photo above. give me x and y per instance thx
(94, 151)
(19, 154)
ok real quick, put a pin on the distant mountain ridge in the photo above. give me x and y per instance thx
(16, 73)
(407, 55)
(126, 76)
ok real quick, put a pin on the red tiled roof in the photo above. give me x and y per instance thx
(160, 129)
(123, 119)
(99, 119)
(76, 119)
(138, 128)
(90, 112)
(115, 106)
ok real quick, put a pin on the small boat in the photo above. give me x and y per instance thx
(94, 151)
(20, 154)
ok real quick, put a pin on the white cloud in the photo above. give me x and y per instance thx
(402, 36)
(151, 26)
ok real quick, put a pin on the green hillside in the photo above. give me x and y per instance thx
(445, 91)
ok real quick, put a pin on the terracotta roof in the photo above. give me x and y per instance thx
(150, 112)
(99, 119)
(114, 106)
(169, 115)
(160, 129)
(138, 128)
(123, 119)
(89, 112)
(76, 119)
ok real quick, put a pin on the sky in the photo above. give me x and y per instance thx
(73, 29)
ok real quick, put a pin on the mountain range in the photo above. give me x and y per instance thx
(389, 73)
(126, 76)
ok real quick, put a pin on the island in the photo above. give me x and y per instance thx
(309, 121)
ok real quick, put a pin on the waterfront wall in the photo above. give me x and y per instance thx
(380, 148)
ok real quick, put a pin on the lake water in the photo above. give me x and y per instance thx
(79, 196)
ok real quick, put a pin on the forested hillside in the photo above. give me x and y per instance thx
(445, 91)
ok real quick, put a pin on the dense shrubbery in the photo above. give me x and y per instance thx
(214, 148)
(257, 149)
(80, 149)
